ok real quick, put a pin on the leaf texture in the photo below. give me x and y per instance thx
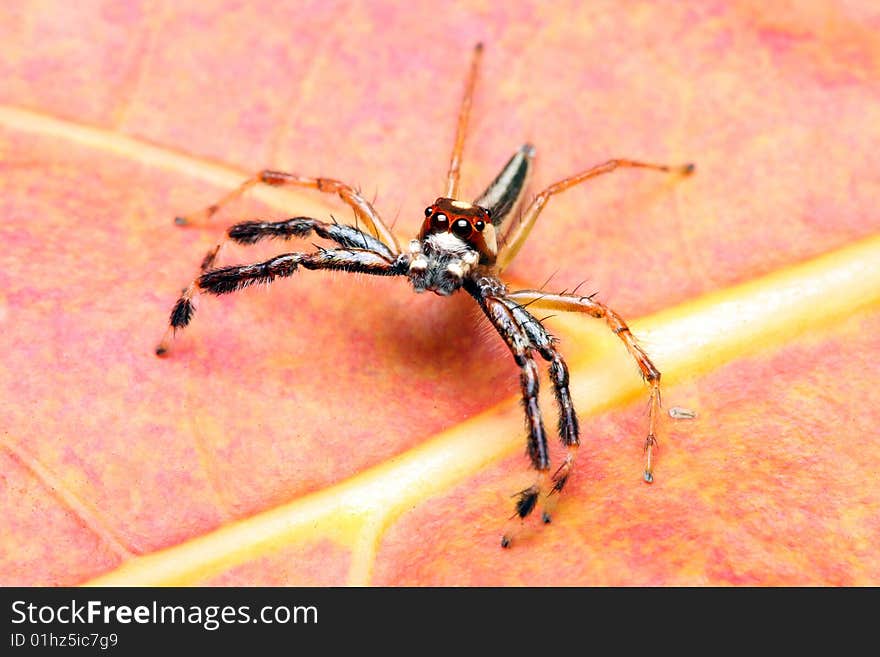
(338, 430)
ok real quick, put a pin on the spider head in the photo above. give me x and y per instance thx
(470, 223)
(455, 237)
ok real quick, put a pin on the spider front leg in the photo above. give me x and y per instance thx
(565, 302)
(230, 279)
(517, 236)
(569, 431)
(539, 454)
(524, 334)
(251, 232)
(352, 198)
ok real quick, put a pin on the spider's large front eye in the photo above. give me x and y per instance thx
(428, 211)
(441, 222)
(462, 228)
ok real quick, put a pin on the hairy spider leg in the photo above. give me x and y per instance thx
(237, 277)
(251, 232)
(361, 206)
(517, 235)
(570, 303)
(461, 127)
(523, 333)
(568, 427)
(537, 449)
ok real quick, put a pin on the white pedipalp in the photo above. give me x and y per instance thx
(418, 264)
(456, 269)
(447, 243)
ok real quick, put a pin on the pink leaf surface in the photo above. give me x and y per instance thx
(116, 117)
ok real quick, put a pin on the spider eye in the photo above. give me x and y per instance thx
(441, 222)
(428, 211)
(462, 228)
(480, 225)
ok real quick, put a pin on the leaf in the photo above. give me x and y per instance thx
(312, 433)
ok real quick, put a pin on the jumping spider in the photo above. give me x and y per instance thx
(458, 247)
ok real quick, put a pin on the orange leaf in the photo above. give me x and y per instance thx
(311, 433)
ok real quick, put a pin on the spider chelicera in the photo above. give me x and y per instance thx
(459, 246)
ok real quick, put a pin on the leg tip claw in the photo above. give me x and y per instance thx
(505, 542)
(197, 218)
(688, 168)
(161, 351)
(649, 477)
(546, 518)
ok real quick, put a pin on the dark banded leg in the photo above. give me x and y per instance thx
(251, 232)
(569, 431)
(615, 322)
(518, 343)
(501, 314)
(362, 207)
(527, 499)
(230, 279)
(518, 235)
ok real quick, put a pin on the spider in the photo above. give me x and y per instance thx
(460, 247)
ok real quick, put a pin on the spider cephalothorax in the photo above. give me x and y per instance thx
(458, 247)
(456, 236)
